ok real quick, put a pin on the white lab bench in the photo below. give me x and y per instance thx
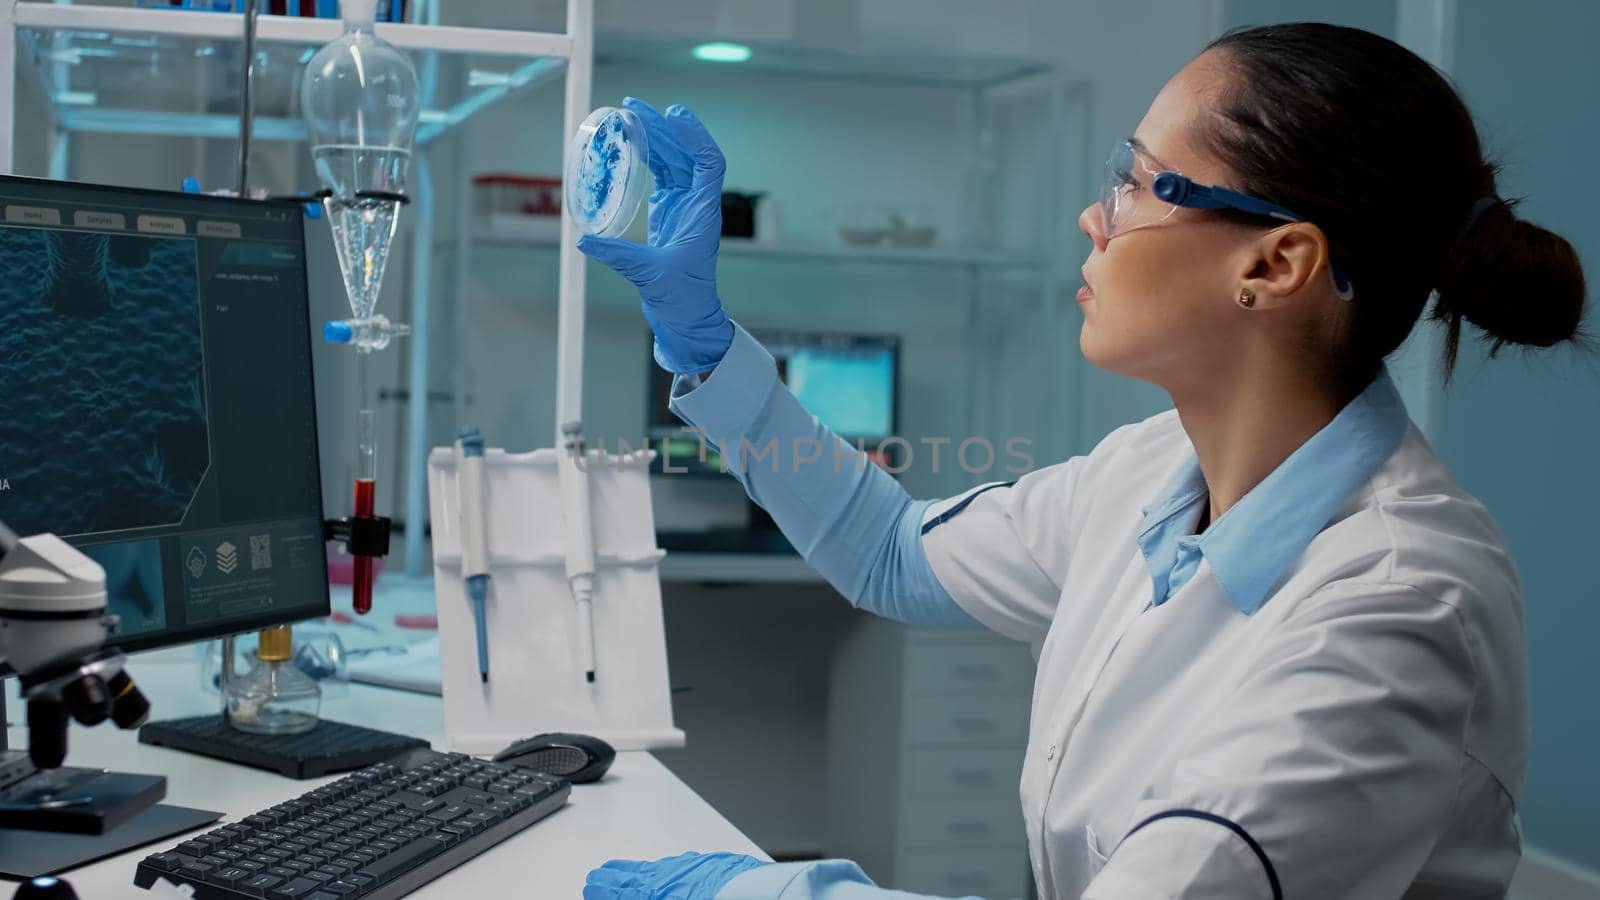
(820, 729)
(640, 810)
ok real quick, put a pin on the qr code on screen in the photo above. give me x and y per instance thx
(260, 551)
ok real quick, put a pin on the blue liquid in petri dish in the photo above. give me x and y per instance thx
(600, 166)
(605, 173)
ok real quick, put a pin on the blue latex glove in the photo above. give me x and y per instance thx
(690, 876)
(676, 273)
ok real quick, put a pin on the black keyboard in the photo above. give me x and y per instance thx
(330, 747)
(380, 833)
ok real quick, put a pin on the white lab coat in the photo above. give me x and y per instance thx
(1361, 735)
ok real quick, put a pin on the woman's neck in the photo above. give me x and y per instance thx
(1248, 427)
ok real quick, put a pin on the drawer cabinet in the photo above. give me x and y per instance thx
(927, 731)
(962, 774)
(967, 720)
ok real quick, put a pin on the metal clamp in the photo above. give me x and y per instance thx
(360, 535)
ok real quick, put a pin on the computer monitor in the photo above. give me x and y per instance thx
(157, 411)
(850, 382)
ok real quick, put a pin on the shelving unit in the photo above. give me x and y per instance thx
(974, 82)
(123, 70)
(978, 101)
(964, 273)
(83, 57)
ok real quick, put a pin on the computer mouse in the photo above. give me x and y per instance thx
(578, 758)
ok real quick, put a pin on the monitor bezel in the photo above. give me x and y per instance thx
(156, 641)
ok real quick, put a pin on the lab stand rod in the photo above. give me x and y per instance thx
(460, 298)
(416, 451)
(416, 459)
(8, 87)
(60, 138)
(247, 106)
(284, 29)
(569, 322)
(430, 61)
(200, 104)
(569, 442)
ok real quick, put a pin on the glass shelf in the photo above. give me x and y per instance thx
(156, 71)
(833, 63)
(926, 256)
(740, 247)
(176, 72)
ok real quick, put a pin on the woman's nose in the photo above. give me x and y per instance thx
(1092, 223)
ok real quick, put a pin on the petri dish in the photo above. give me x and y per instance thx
(608, 172)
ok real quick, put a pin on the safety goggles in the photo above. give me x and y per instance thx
(1139, 191)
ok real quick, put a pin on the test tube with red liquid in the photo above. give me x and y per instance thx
(361, 589)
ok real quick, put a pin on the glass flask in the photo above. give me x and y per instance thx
(274, 697)
(360, 99)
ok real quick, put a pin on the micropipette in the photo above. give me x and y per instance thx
(474, 536)
(580, 556)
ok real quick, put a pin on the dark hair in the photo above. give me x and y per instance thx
(1371, 143)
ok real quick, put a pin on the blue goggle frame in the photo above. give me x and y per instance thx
(1180, 190)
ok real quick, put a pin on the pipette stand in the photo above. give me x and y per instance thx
(536, 681)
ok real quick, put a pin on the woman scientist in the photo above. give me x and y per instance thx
(1280, 651)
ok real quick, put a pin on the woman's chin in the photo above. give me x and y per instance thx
(1090, 343)
(1101, 353)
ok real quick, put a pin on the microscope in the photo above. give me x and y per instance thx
(53, 629)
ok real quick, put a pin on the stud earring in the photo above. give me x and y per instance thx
(1247, 298)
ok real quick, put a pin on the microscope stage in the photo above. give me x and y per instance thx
(71, 799)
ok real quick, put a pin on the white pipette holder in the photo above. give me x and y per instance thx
(536, 678)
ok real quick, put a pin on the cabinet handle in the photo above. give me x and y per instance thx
(972, 776)
(976, 672)
(971, 724)
(970, 828)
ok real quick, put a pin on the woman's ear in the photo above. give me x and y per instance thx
(1283, 262)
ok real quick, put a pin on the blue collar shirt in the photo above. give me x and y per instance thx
(1252, 544)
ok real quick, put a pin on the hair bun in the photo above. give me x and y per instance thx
(1517, 282)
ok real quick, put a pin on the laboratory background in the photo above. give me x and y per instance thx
(903, 184)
